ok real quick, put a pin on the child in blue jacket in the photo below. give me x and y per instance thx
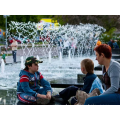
(91, 81)
(28, 87)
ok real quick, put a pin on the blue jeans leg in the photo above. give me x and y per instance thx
(29, 98)
(68, 92)
(26, 98)
(14, 55)
(108, 99)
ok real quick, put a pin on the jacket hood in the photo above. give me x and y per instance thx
(23, 72)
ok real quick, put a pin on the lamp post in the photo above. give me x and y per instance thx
(5, 16)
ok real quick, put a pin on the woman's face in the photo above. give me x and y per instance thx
(99, 58)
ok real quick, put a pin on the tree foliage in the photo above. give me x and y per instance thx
(107, 21)
(22, 18)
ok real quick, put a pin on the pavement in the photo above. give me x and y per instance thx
(9, 59)
(42, 52)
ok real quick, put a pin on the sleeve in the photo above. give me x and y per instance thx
(45, 84)
(114, 74)
(96, 84)
(24, 82)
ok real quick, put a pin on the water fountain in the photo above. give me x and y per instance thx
(2, 66)
(56, 66)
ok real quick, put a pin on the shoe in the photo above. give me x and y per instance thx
(52, 99)
(56, 96)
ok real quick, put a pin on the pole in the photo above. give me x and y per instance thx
(6, 34)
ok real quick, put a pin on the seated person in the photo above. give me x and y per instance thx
(111, 78)
(28, 87)
(81, 96)
(87, 67)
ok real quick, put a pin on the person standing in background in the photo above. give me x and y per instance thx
(115, 45)
(110, 43)
(14, 46)
(98, 43)
(3, 56)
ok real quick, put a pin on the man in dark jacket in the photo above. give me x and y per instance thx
(110, 43)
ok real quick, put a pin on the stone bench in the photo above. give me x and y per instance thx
(61, 85)
(80, 76)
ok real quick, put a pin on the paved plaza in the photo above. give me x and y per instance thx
(42, 52)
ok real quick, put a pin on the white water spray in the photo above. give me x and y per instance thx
(2, 66)
(50, 56)
(22, 63)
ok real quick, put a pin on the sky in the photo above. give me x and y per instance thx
(61, 7)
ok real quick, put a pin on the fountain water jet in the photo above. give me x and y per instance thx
(22, 62)
(61, 67)
(2, 66)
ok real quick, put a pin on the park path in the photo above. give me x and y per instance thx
(42, 52)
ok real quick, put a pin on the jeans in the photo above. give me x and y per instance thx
(68, 92)
(14, 55)
(108, 99)
(29, 98)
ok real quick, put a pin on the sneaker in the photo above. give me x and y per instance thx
(56, 96)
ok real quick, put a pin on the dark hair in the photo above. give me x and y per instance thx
(105, 49)
(113, 41)
(26, 66)
(89, 65)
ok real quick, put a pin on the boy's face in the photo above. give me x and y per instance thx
(33, 68)
(83, 69)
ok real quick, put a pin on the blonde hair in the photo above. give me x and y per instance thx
(88, 64)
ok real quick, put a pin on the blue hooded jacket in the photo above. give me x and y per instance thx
(30, 83)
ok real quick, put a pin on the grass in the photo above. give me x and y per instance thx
(6, 54)
(1, 44)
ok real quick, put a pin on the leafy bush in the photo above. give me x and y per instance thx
(107, 36)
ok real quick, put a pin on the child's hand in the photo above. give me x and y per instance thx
(48, 96)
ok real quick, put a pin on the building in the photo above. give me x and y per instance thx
(47, 23)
